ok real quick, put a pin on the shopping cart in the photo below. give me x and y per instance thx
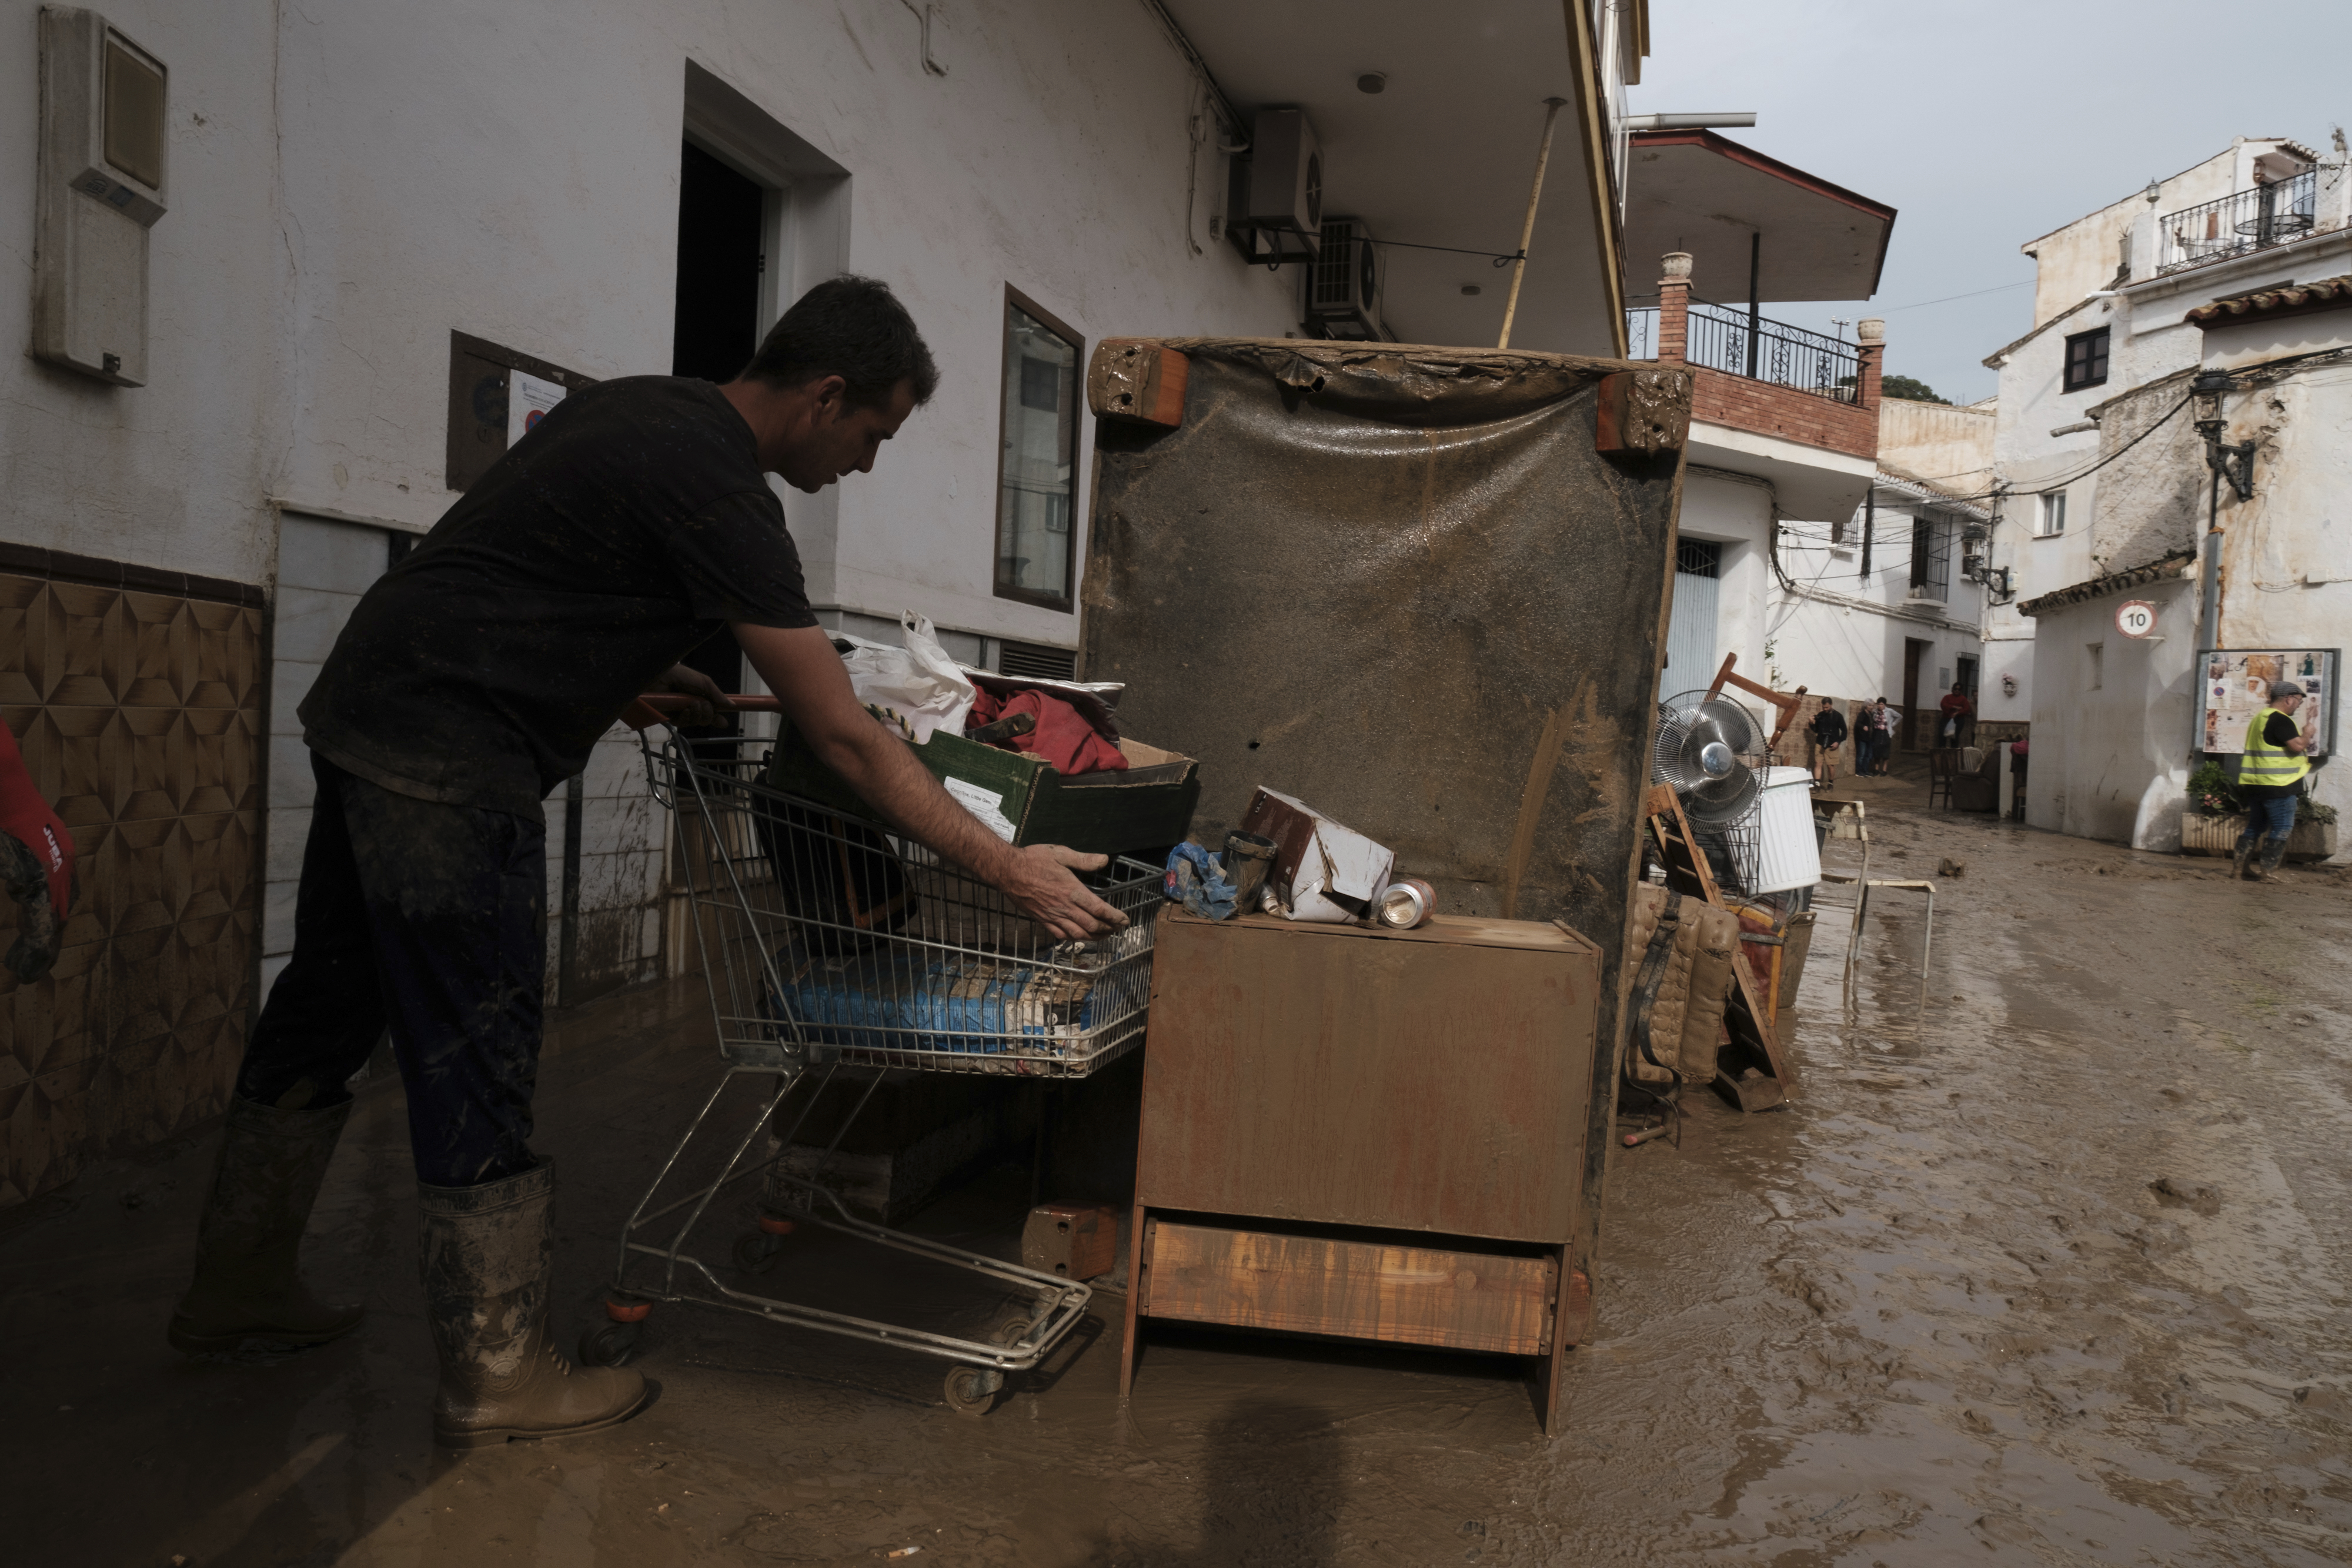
(829, 944)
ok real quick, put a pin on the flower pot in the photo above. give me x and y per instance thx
(2203, 835)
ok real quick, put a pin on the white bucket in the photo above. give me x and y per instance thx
(1788, 855)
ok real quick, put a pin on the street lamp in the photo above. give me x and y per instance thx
(2233, 461)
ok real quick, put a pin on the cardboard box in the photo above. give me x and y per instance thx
(1322, 870)
(1025, 799)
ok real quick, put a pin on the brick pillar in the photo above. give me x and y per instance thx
(1871, 333)
(1673, 307)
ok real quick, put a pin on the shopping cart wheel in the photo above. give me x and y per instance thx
(610, 1345)
(972, 1390)
(1011, 1327)
(755, 1252)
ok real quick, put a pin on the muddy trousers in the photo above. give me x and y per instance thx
(2274, 817)
(432, 919)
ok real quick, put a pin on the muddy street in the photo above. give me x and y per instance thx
(2051, 1272)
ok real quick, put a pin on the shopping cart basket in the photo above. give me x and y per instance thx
(829, 943)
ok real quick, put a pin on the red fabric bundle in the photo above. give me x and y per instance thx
(1063, 736)
(37, 864)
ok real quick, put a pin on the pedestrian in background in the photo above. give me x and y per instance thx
(1958, 726)
(1829, 733)
(2270, 780)
(1869, 736)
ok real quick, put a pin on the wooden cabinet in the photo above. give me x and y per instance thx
(1374, 1134)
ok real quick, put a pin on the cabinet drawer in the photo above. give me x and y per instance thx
(1444, 1297)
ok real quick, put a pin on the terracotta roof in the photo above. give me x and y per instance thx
(2292, 301)
(2174, 563)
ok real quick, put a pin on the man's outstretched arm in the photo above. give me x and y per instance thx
(801, 667)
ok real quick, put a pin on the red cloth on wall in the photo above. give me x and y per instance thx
(39, 860)
(1063, 736)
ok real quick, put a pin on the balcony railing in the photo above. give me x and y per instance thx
(1719, 338)
(2251, 220)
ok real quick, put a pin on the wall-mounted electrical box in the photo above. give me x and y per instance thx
(496, 396)
(105, 106)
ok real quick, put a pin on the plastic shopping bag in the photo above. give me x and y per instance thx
(918, 682)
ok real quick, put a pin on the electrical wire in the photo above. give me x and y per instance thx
(1947, 299)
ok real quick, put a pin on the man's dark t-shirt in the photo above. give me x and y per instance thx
(632, 523)
(2277, 731)
(1829, 727)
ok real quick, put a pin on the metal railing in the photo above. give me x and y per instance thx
(1718, 337)
(2247, 221)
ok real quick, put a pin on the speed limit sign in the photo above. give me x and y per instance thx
(2136, 617)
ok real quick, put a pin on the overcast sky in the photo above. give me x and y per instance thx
(1984, 125)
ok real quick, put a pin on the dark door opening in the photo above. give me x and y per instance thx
(721, 244)
(1914, 654)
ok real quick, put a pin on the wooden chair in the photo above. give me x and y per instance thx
(1943, 763)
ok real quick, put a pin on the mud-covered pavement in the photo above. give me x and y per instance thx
(1937, 1310)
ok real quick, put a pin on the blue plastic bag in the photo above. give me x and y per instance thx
(1196, 879)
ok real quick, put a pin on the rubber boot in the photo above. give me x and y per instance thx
(489, 1256)
(247, 1288)
(2273, 852)
(2244, 860)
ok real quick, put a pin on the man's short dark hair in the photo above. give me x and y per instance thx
(852, 328)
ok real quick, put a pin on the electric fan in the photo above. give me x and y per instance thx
(1710, 750)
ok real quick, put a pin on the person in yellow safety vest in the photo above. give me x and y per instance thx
(2269, 780)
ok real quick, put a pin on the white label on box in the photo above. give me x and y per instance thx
(982, 803)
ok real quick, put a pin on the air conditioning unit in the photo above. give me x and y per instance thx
(1343, 286)
(1285, 186)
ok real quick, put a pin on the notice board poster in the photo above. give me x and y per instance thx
(2236, 686)
(528, 397)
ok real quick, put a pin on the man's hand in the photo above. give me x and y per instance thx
(801, 667)
(709, 708)
(1041, 882)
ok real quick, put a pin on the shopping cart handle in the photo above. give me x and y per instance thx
(655, 707)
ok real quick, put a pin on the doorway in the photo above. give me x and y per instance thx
(1690, 624)
(721, 236)
(1914, 654)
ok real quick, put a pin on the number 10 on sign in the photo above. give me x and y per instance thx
(2136, 617)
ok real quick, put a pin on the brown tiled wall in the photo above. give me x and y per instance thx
(140, 715)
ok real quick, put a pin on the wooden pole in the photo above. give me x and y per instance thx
(1552, 107)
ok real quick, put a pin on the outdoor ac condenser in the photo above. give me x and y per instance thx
(104, 110)
(1286, 177)
(1343, 287)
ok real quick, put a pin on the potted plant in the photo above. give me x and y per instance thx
(2313, 838)
(2215, 818)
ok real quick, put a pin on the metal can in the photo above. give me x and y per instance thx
(1406, 903)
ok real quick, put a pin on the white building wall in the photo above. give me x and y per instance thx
(173, 474)
(1054, 156)
(1734, 511)
(2112, 721)
(2031, 459)
(2286, 562)
(351, 182)
(1842, 635)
